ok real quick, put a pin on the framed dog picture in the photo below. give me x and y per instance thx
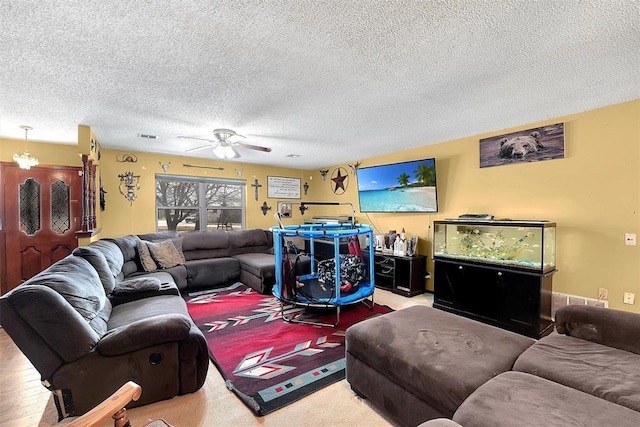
(530, 145)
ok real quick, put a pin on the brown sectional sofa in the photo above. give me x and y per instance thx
(95, 319)
(422, 364)
(213, 258)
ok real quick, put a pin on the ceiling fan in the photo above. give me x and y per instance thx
(223, 148)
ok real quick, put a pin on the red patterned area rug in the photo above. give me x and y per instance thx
(266, 361)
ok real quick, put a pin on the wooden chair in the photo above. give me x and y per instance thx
(114, 407)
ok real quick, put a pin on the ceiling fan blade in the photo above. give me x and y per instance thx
(199, 148)
(252, 147)
(199, 139)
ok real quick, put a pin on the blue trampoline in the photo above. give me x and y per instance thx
(313, 290)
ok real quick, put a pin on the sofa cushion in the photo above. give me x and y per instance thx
(78, 282)
(438, 356)
(127, 245)
(205, 244)
(613, 328)
(112, 253)
(165, 253)
(125, 314)
(605, 372)
(243, 241)
(259, 264)
(98, 261)
(212, 272)
(159, 235)
(517, 399)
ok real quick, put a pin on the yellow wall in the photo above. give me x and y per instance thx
(593, 195)
(47, 154)
(122, 217)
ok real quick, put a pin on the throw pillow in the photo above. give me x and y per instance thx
(165, 254)
(177, 242)
(148, 264)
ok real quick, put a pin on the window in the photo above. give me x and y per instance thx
(189, 203)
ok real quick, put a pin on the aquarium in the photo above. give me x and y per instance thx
(527, 245)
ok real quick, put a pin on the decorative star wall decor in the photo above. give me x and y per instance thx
(340, 180)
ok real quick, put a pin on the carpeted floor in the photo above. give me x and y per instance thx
(215, 405)
(267, 362)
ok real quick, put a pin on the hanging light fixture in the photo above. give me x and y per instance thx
(224, 151)
(24, 159)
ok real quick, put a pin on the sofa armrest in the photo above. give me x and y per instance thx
(145, 333)
(613, 328)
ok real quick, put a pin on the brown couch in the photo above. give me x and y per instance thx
(425, 364)
(212, 258)
(99, 317)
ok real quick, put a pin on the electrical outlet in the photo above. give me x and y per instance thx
(629, 298)
(603, 294)
(630, 239)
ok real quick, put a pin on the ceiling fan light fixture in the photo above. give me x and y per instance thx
(224, 152)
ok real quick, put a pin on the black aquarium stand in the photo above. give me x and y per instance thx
(513, 299)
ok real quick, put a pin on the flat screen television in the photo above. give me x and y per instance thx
(399, 187)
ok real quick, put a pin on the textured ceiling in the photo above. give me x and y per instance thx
(333, 81)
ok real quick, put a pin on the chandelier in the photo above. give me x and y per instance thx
(24, 159)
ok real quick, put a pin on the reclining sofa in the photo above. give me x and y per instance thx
(108, 313)
(420, 364)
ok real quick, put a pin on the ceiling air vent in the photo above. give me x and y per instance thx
(145, 136)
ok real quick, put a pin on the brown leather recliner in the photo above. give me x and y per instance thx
(85, 347)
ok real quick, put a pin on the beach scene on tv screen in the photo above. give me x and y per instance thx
(398, 187)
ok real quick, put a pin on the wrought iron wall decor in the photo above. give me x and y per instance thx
(128, 183)
(264, 208)
(256, 185)
(186, 165)
(127, 158)
(306, 188)
(324, 173)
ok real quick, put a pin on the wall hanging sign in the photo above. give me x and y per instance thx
(530, 145)
(283, 188)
